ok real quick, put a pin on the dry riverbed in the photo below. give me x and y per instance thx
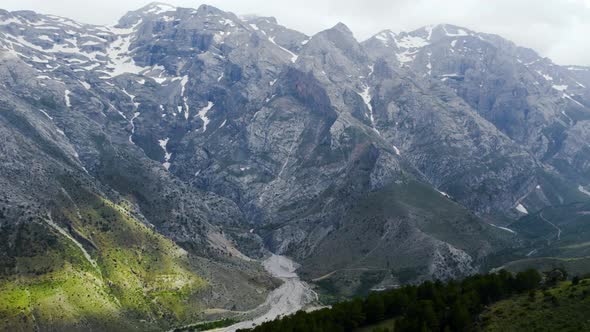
(292, 296)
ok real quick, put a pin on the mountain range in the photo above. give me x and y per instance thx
(148, 167)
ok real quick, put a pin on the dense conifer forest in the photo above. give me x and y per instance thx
(431, 306)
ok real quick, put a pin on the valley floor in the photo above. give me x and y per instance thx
(292, 296)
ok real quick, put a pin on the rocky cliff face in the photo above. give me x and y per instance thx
(537, 104)
(381, 162)
(94, 231)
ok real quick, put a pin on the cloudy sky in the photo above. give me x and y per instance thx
(558, 29)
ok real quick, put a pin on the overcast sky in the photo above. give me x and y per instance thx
(558, 29)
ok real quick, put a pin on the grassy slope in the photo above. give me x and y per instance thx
(139, 275)
(569, 312)
(571, 251)
(71, 293)
(553, 190)
(575, 266)
(140, 281)
(363, 250)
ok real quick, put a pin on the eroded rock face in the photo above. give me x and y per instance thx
(82, 199)
(229, 135)
(535, 102)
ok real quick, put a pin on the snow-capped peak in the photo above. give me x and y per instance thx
(156, 8)
(385, 36)
(454, 31)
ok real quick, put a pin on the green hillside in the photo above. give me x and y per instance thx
(502, 301)
(561, 308)
(554, 237)
(389, 238)
(431, 306)
(125, 272)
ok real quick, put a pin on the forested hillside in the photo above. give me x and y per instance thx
(492, 302)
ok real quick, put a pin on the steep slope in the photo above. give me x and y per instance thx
(294, 130)
(302, 161)
(539, 105)
(210, 137)
(555, 236)
(84, 214)
(459, 152)
(560, 308)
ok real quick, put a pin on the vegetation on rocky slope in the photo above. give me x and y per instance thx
(431, 306)
(564, 307)
(398, 235)
(114, 273)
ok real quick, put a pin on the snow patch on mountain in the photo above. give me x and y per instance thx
(460, 32)
(583, 190)
(159, 8)
(366, 95)
(47, 115)
(293, 55)
(119, 53)
(183, 83)
(385, 37)
(405, 57)
(203, 114)
(504, 228)
(412, 42)
(566, 96)
(577, 68)
(520, 208)
(67, 94)
(545, 76)
(135, 115)
(167, 155)
(429, 29)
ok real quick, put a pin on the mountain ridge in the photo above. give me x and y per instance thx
(408, 154)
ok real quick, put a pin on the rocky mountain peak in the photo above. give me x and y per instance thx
(449, 30)
(259, 19)
(419, 38)
(156, 8)
(343, 28)
(381, 151)
(268, 28)
(207, 10)
(385, 37)
(346, 52)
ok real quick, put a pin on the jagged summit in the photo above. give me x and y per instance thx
(387, 31)
(386, 37)
(155, 159)
(268, 19)
(428, 33)
(206, 9)
(341, 27)
(157, 8)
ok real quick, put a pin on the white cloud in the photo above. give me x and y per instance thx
(555, 28)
